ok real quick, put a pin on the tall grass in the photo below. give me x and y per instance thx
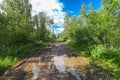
(10, 55)
(107, 58)
(6, 62)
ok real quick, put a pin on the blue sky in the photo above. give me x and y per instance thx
(74, 6)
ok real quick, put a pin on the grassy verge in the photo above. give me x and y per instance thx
(106, 58)
(9, 56)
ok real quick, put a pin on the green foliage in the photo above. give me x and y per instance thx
(20, 32)
(98, 51)
(96, 33)
(6, 62)
(19, 26)
(107, 58)
(9, 56)
(113, 55)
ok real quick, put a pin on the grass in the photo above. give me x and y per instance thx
(6, 62)
(106, 58)
(9, 56)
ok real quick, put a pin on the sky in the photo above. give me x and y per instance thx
(57, 9)
(74, 6)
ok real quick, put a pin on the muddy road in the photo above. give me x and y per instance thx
(55, 62)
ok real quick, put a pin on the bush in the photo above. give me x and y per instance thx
(98, 51)
(6, 62)
(22, 51)
(10, 55)
(113, 56)
(107, 58)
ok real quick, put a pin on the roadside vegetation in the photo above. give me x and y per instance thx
(93, 34)
(96, 35)
(20, 32)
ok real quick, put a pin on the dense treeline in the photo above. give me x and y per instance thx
(97, 33)
(20, 32)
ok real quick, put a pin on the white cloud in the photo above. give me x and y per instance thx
(1, 1)
(52, 7)
(71, 11)
(58, 30)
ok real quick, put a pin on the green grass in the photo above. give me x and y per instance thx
(6, 63)
(9, 56)
(110, 61)
(106, 58)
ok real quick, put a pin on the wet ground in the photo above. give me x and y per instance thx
(56, 62)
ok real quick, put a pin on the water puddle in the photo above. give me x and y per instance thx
(73, 72)
(59, 62)
(35, 71)
(57, 44)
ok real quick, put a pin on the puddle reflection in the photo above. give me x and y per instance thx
(57, 44)
(35, 71)
(73, 72)
(59, 62)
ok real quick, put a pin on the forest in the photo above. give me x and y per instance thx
(94, 34)
(20, 32)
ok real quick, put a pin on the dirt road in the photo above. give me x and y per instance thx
(56, 62)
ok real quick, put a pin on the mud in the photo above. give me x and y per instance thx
(56, 62)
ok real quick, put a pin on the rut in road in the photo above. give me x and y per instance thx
(52, 64)
(56, 62)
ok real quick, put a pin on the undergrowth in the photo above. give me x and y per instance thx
(106, 58)
(10, 55)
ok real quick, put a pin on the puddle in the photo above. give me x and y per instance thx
(59, 62)
(35, 71)
(57, 44)
(73, 72)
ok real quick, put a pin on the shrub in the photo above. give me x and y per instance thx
(98, 51)
(6, 62)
